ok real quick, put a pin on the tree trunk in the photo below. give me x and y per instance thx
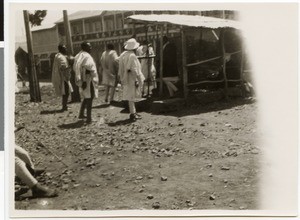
(75, 95)
(34, 88)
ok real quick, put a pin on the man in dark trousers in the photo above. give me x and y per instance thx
(86, 78)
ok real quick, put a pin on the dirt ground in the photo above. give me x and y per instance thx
(201, 157)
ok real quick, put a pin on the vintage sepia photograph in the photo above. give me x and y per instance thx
(144, 109)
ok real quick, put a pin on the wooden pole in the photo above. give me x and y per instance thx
(149, 61)
(35, 95)
(242, 62)
(75, 95)
(161, 61)
(224, 63)
(68, 32)
(184, 67)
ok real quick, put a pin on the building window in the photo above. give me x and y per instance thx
(109, 24)
(98, 26)
(119, 22)
(76, 29)
(89, 27)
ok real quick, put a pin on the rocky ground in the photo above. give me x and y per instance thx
(200, 157)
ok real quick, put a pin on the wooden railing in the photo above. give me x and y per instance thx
(209, 60)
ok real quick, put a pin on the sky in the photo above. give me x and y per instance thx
(51, 18)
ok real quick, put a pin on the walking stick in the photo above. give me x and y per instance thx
(39, 143)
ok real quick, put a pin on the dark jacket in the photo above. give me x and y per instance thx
(170, 60)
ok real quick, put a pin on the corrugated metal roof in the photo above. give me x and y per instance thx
(81, 14)
(187, 20)
(43, 27)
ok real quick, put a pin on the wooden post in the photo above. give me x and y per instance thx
(75, 95)
(161, 61)
(115, 22)
(242, 64)
(224, 63)
(68, 32)
(103, 24)
(149, 63)
(122, 20)
(184, 68)
(83, 26)
(35, 95)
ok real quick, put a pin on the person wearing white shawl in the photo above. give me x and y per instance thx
(131, 76)
(61, 75)
(86, 78)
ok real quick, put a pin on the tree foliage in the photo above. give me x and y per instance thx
(37, 17)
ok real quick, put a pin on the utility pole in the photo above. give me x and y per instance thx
(75, 95)
(34, 88)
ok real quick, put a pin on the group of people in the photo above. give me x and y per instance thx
(134, 69)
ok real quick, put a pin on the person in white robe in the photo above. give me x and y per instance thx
(61, 75)
(131, 76)
(86, 78)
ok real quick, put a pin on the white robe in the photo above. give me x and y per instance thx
(83, 62)
(61, 72)
(130, 73)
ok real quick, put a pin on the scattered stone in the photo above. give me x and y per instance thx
(228, 125)
(97, 185)
(210, 175)
(225, 168)
(90, 163)
(171, 133)
(209, 165)
(150, 196)
(174, 207)
(150, 177)
(212, 197)
(255, 151)
(65, 187)
(164, 178)
(156, 205)
(141, 190)
(225, 181)
(139, 178)
(202, 124)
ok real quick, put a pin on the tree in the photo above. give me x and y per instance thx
(37, 17)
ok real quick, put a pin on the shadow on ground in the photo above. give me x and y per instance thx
(73, 125)
(49, 112)
(120, 122)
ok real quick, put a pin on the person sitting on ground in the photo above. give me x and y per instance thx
(26, 172)
(109, 69)
(61, 75)
(86, 78)
(170, 69)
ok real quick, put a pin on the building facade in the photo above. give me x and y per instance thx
(101, 28)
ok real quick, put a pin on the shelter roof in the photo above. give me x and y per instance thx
(185, 20)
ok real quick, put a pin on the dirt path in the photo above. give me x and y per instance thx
(199, 158)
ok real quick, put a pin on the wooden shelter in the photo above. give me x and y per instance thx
(185, 23)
